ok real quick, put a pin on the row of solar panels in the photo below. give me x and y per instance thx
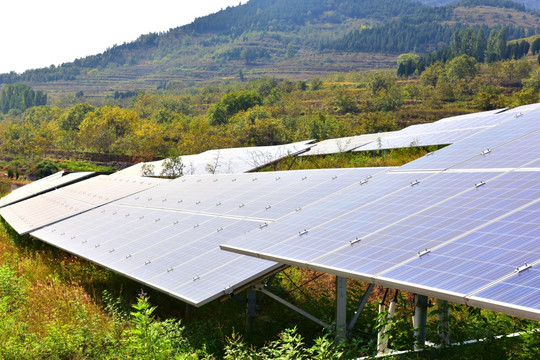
(443, 132)
(222, 161)
(464, 225)
(460, 224)
(246, 159)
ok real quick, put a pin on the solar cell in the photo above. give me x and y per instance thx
(466, 263)
(420, 139)
(345, 144)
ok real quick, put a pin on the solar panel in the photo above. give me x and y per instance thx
(510, 155)
(168, 237)
(466, 263)
(173, 252)
(420, 139)
(449, 236)
(223, 161)
(48, 183)
(345, 144)
(512, 129)
(262, 195)
(36, 212)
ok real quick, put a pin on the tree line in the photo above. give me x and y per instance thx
(265, 111)
(20, 97)
(472, 42)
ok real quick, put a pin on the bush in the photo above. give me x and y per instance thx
(43, 169)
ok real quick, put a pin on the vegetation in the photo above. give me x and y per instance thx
(268, 111)
(54, 305)
(57, 306)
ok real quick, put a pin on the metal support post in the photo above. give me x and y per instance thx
(420, 321)
(188, 311)
(381, 346)
(444, 316)
(251, 310)
(341, 306)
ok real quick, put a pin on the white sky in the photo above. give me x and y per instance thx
(38, 33)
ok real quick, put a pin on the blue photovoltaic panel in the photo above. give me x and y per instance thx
(420, 139)
(517, 235)
(459, 233)
(39, 211)
(353, 214)
(383, 240)
(174, 252)
(261, 195)
(521, 289)
(472, 261)
(168, 237)
(512, 129)
(48, 183)
(222, 161)
(521, 152)
(345, 144)
(33, 213)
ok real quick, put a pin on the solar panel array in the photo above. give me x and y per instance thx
(469, 234)
(460, 224)
(33, 213)
(344, 144)
(223, 161)
(48, 183)
(511, 130)
(442, 132)
(168, 237)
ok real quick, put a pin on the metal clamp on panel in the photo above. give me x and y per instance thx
(422, 253)
(522, 268)
(481, 183)
(357, 240)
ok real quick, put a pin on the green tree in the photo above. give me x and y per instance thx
(463, 67)
(20, 97)
(535, 46)
(232, 103)
(496, 45)
(73, 117)
(316, 83)
(407, 64)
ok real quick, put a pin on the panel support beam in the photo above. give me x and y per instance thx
(263, 290)
(360, 307)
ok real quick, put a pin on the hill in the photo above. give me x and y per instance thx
(529, 4)
(296, 39)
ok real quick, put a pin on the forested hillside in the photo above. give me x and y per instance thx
(296, 39)
(530, 4)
